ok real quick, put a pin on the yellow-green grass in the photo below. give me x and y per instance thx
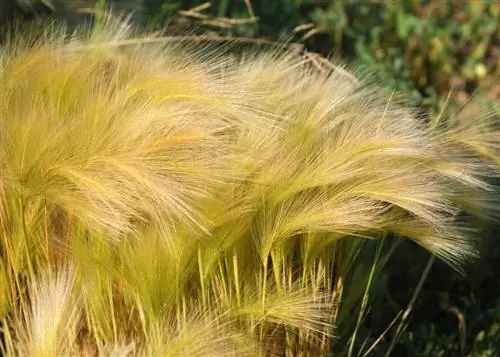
(165, 200)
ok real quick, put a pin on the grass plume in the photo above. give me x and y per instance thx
(211, 205)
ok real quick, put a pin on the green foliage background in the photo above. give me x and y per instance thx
(422, 49)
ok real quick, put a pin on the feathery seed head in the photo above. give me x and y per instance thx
(200, 192)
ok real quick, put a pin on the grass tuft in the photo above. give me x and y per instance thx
(211, 205)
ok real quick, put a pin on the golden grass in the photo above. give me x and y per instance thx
(167, 200)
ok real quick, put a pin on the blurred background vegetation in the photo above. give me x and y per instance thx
(442, 55)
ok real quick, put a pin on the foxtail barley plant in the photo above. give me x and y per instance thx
(170, 199)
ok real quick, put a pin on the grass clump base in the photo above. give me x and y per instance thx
(173, 200)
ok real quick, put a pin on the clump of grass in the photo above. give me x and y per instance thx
(207, 205)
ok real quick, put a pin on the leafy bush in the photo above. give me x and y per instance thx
(422, 48)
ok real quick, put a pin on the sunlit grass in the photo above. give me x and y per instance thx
(155, 200)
